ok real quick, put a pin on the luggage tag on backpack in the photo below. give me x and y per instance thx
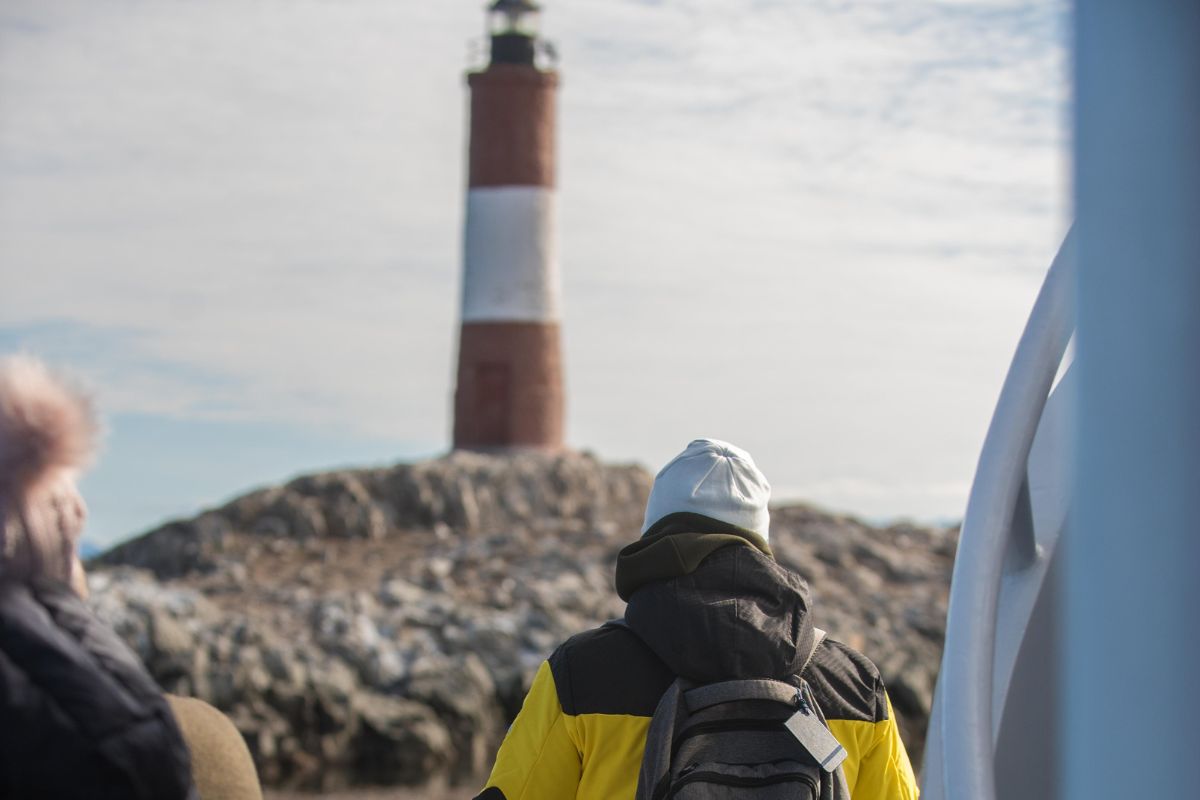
(811, 732)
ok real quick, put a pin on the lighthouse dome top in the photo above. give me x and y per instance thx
(518, 17)
(514, 5)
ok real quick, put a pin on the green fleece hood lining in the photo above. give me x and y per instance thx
(676, 545)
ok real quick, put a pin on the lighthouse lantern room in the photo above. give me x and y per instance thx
(513, 29)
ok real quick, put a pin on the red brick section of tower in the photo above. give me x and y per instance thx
(509, 392)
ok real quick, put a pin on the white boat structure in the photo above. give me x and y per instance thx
(1074, 626)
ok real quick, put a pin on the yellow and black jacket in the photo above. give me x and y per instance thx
(709, 605)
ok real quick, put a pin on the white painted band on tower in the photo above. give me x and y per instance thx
(510, 255)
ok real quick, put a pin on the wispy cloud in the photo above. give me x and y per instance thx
(813, 228)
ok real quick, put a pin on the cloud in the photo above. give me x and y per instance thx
(816, 227)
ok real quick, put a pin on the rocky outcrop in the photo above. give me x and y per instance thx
(382, 626)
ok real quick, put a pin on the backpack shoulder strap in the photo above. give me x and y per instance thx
(818, 637)
(837, 788)
(660, 738)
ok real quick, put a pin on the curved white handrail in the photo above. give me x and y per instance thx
(965, 683)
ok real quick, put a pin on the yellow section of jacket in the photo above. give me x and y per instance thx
(550, 755)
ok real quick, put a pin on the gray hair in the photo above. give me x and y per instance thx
(47, 434)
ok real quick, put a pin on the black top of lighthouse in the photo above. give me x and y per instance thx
(513, 27)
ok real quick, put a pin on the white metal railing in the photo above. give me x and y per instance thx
(960, 760)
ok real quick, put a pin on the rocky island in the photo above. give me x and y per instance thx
(379, 627)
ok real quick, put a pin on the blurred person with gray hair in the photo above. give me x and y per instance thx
(79, 715)
(47, 435)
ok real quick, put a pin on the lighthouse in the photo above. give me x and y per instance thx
(509, 391)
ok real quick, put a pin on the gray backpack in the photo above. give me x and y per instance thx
(760, 739)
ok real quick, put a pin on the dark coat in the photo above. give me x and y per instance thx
(707, 605)
(79, 715)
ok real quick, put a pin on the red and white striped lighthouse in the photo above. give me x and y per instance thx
(509, 392)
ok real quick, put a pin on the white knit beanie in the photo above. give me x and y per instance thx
(715, 479)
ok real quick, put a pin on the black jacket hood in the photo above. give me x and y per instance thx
(725, 609)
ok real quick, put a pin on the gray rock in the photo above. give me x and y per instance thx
(398, 742)
(463, 694)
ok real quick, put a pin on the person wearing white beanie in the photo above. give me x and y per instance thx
(706, 602)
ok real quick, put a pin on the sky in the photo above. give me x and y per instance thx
(814, 229)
